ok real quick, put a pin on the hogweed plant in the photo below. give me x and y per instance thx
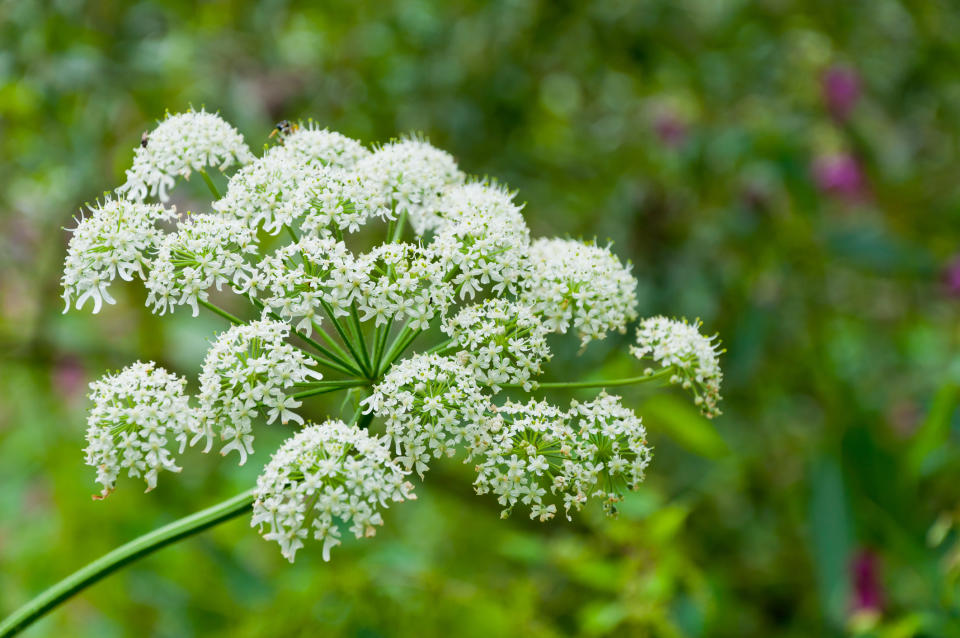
(439, 333)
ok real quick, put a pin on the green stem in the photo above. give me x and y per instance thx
(292, 234)
(210, 185)
(343, 336)
(382, 333)
(443, 346)
(334, 386)
(331, 342)
(123, 555)
(330, 359)
(361, 343)
(606, 383)
(398, 229)
(220, 311)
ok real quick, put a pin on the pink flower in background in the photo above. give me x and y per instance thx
(670, 129)
(951, 277)
(840, 87)
(69, 378)
(867, 589)
(839, 174)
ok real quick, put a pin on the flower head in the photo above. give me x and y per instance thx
(693, 358)
(136, 414)
(501, 342)
(315, 146)
(323, 477)
(540, 456)
(181, 144)
(482, 238)
(580, 284)
(114, 241)
(410, 175)
(426, 401)
(840, 86)
(205, 251)
(249, 370)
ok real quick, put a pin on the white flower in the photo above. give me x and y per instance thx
(267, 191)
(482, 239)
(410, 175)
(501, 342)
(426, 401)
(406, 282)
(319, 275)
(181, 144)
(314, 146)
(679, 346)
(341, 200)
(114, 241)
(323, 477)
(580, 284)
(135, 415)
(247, 368)
(205, 251)
(540, 456)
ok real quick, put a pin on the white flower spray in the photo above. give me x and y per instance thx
(442, 332)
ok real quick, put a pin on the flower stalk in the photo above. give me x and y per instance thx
(121, 556)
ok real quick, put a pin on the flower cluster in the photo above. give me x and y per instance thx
(249, 369)
(501, 342)
(533, 453)
(482, 238)
(426, 401)
(411, 176)
(580, 284)
(114, 241)
(324, 476)
(678, 346)
(205, 251)
(315, 146)
(136, 414)
(313, 276)
(456, 255)
(181, 144)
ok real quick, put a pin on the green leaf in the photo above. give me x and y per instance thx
(932, 434)
(682, 422)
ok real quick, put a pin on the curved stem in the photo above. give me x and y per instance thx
(604, 383)
(123, 555)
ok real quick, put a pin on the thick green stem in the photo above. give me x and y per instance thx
(604, 383)
(123, 555)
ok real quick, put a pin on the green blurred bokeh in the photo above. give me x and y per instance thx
(693, 133)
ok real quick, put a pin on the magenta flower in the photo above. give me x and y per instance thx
(867, 589)
(670, 129)
(840, 87)
(951, 277)
(839, 174)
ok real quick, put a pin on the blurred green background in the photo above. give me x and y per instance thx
(786, 171)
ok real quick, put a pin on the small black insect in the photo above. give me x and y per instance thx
(283, 128)
(144, 139)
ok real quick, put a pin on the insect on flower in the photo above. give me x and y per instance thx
(284, 128)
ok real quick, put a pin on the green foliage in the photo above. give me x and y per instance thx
(686, 131)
